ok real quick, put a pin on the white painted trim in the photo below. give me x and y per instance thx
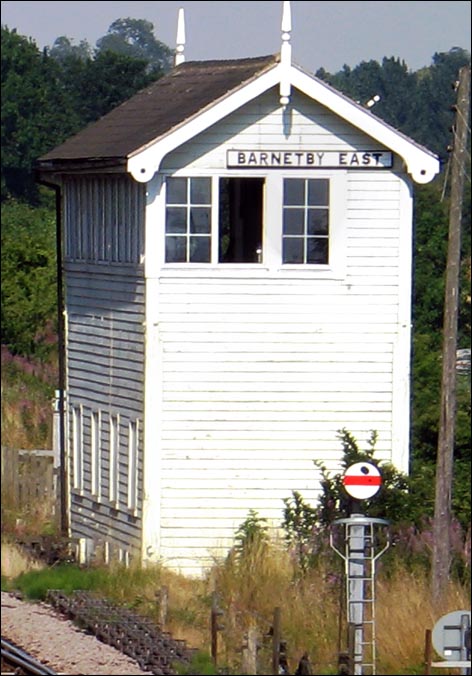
(144, 163)
(401, 367)
(152, 381)
(420, 163)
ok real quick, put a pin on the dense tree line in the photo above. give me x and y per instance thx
(50, 94)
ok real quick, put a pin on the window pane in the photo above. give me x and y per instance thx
(176, 219)
(200, 191)
(318, 192)
(176, 249)
(318, 221)
(199, 220)
(200, 249)
(317, 250)
(294, 221)
(176, 191)
(294, 191)
(293, 250)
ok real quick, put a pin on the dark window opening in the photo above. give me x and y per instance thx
(240, 220)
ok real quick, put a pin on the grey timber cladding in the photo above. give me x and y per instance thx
(104, 280)
(105, 377)
(104, 219)
(154, 111)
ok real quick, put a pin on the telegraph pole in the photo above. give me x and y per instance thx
(445, 452)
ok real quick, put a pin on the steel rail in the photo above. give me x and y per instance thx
(17, 657)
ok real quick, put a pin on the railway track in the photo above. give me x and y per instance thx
(17, 661)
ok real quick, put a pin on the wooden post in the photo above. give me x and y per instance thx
(442, 507)
(276, 635)
(214, 628)
(351, 647)
(249, 660)
(163, 596)
(428, 651)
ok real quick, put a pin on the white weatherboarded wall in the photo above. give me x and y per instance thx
(252, 370)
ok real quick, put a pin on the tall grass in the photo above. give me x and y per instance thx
(249, 587)
(27, 394)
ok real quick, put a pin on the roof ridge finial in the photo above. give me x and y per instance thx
(180, 46)
(286, 54)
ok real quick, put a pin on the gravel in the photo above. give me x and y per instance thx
(56, 642)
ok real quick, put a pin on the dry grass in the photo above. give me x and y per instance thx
(250, 587)
(404, 610)
(15, 561)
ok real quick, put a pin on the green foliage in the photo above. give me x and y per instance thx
(29, 280)
(418, 104)
(36, 114)
(36, 584)
(96, 86)
(391, 501)
(301, 525)
(64, 49)
(134, 38)
(201, 663)
(48, 96)
(251, 533)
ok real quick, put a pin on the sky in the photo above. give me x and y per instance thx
(324, 34)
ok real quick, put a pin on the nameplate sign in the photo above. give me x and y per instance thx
(308, 159)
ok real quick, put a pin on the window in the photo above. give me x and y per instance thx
(78, 449)
(270, 220)
(188, 220)
(240, 220)
(305, 237)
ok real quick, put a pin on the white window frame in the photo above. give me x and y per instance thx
(272, 222)
(96, 453)
(133, 450)
(113, 478)
(78, 447)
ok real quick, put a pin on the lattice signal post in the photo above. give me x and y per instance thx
(364, 540)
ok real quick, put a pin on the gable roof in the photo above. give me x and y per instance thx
(154, 111)
(195, 95)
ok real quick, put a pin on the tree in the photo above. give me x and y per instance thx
(36, 112)
(135, 38)
(63, 49)
(418, 104)
(432, 107)
(29, 290)
(96, 86)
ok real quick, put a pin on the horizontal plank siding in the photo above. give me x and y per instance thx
(258, 127)
(261, 367)
(251, 379)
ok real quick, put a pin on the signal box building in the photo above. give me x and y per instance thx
(237, 264)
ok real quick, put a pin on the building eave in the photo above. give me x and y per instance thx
(419, 162)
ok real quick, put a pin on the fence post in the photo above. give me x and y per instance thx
(249, 659)
(215, 627)
(276, 634)
(163, 599)
(428, 651)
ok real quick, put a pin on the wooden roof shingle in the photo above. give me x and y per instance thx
(153, 112)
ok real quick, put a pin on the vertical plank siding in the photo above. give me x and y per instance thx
(104, 225)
